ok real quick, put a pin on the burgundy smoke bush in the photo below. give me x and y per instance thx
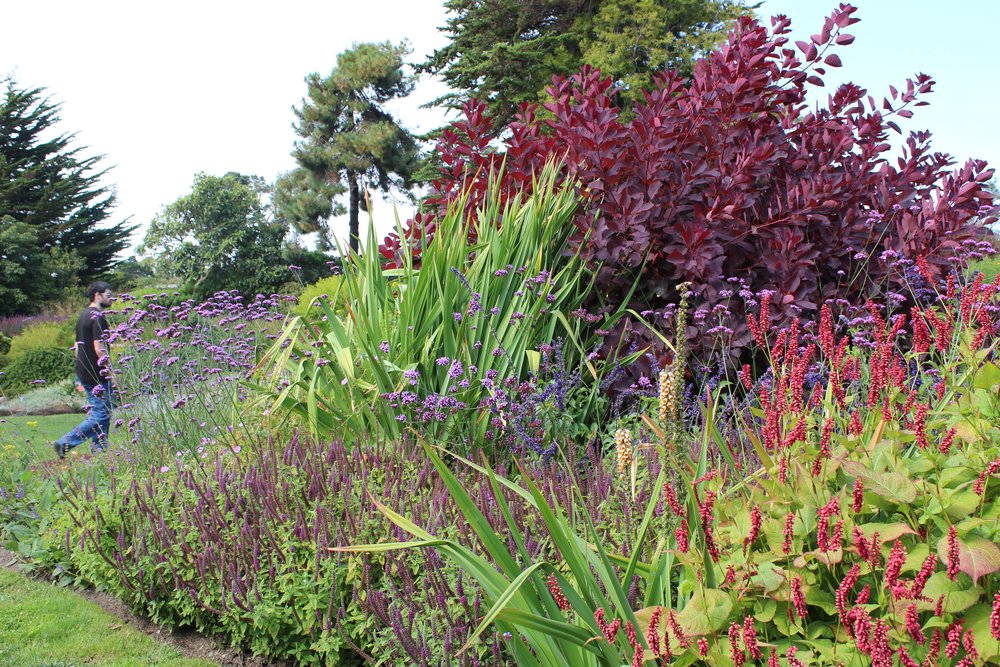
(730, 174)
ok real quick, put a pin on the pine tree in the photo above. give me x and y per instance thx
(349, 141)
(504, 52)
(47, 184)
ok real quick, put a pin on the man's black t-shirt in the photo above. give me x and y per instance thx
(90, 326)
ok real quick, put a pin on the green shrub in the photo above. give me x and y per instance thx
(327, 287)
(41, 336)
(4, 344)
(50, 364)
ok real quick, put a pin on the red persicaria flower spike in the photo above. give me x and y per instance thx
(954, 636)
(653, 632)
(790, 656)
(750, 638)
(862, 630)
(672, 502)
(702, 646)
(921, 332)
(633, 641)
(939, 606)
(940, 387)
(855, 428)
(953, 557)
(844, 589)
(859, 495)
(990, 470)
(681, 535)
(786, 544)
(826, 338)
(905, 659)
(735, 652)
(773, 660)
(864, 595)
(913, 626)
(995, 618)
(860, 543)
(837, 537)
(675, 628)
(924, 269)
(969, 644)
(783, 469)
(730, 578)
(610, 630)
(874, 552)
(920, 426)
(934, 649)
(926, 570)
(881, 651)
(799, 598)
(557, 594)
(746, 378)
(946, 443)
(756, 520)
(896, 559)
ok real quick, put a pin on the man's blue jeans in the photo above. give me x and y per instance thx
(97, 424)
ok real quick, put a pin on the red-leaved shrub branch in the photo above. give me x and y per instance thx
(729, 173)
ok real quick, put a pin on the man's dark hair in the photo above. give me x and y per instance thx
(98, 287)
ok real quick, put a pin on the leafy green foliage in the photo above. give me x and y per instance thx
(505, 53)
(349, 141)
(30, 272)
(219, 237)
(43, 364)
(326, 290)
(43, 334)
(417, 343)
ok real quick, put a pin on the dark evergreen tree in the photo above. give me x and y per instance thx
(350, 142)
(504, 52)
(47, 184)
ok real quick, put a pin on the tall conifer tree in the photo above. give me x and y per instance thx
(350, 142)
(49, 186)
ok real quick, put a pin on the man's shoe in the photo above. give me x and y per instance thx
(60, 449)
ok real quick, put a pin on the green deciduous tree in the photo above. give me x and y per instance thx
(49, 186)
(221, 236)
(350, 142)
(505, 52)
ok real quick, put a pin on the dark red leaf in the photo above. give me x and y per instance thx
(833, 60)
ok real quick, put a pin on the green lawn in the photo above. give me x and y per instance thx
(990, 267)
(40, 431)
(45, 626)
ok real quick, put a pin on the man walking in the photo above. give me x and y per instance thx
(93, 372)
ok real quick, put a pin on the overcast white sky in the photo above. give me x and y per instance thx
(165, 90)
